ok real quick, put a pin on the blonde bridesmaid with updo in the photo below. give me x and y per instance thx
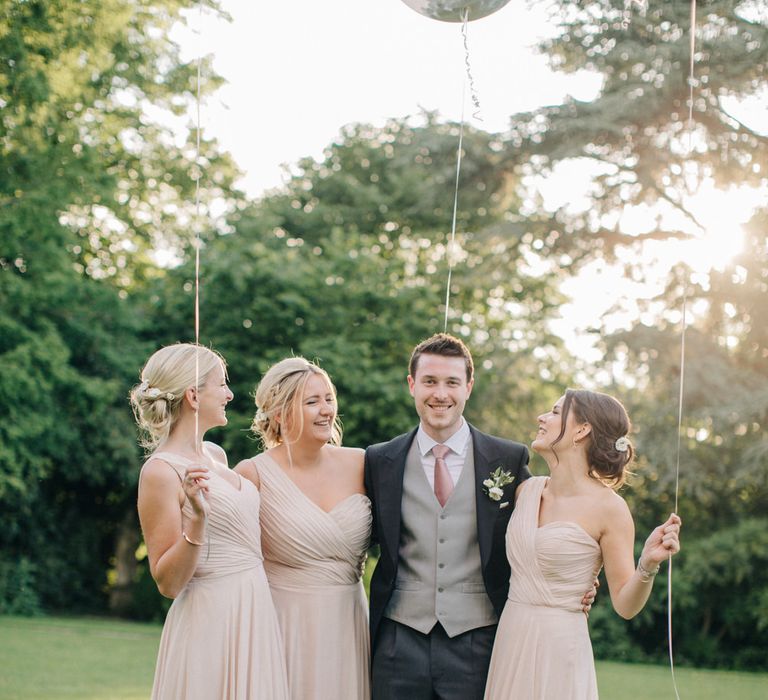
(316, 524)
(201, 526)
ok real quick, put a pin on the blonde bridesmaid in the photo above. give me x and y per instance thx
(201, 526)
(316, 523)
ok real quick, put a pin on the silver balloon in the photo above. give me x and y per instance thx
(453, 10)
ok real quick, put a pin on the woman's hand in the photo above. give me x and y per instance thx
(195, 485)
(169, 533)
(589, 597)
(661, 543)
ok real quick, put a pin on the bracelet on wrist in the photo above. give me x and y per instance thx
(646, 575)
(196, 544)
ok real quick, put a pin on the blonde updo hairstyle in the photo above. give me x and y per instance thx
(280, 392)
(158, 398)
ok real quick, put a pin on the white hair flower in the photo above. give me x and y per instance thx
(622, 443)
(152, 393)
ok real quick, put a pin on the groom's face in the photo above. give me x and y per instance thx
(440, 390)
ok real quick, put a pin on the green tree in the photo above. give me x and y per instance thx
(642, 150)
(89, 186)
(635, 136)
(348, 265)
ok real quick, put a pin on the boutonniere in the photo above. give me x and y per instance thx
(495, 483)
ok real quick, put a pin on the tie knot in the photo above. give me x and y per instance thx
(440, 451)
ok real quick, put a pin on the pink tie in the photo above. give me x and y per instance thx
(443, 481)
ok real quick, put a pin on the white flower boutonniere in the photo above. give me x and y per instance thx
(495, 483)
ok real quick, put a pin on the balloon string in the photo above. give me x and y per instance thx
(680, 397)
(197, 172)
(465, 14)
(691, 76)
(627, 19)
(468, 66)
(669, 629)
(683, 321)
(677, 479)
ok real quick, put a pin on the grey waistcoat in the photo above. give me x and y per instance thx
(439, 573)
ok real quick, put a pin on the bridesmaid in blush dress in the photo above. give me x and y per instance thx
(564, 528)
(316, 524)
(200, 521)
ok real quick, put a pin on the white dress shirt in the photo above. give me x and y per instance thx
(458, 443)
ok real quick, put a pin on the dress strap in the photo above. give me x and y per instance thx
(530, 498)
(169, 458)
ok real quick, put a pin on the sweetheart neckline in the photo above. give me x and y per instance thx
(295, 486)
(572, 524)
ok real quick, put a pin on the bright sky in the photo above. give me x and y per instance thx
(298, 71)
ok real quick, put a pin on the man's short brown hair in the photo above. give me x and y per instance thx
(442, 344)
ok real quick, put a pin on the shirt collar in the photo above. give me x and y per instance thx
(457, 442)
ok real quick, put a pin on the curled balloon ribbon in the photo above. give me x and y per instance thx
(476, 115)
(468, 66)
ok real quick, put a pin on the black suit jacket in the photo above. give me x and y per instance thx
(384, 470)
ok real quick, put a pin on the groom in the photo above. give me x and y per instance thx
(442, 578)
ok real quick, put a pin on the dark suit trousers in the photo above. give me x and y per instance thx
(409, 665)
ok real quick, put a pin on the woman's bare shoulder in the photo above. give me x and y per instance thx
(613, 508)
(217, 453)
(348, 455)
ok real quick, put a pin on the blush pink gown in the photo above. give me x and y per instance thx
(221, 637)
(542, 649)
(314, 560)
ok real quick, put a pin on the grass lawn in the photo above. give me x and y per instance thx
(48, 658)
(94, 659)
(638, 682)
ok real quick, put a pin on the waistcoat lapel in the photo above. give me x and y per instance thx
(390, 493)
(487, 510)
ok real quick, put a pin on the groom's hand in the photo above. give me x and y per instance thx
(589, 597)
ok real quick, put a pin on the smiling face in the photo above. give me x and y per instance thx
(440, 390)
(214, 397)
(313, 415)
(550, 426)
(550, 431)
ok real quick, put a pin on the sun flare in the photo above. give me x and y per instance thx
(721, 215)
(715, 226)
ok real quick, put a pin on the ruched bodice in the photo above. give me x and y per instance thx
(304, 545)
(553, 565)
(233, 541)
(221, 637)
(314, 562)
(542, 649)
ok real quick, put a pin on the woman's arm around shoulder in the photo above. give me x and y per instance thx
(173, 541)
(247, 469)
